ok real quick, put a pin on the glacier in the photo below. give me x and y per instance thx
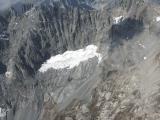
(70, 59)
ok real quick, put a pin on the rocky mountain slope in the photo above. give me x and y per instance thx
(80, 60)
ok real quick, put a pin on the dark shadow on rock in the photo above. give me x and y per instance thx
(21, 7)
(125, 31)
(3, 44)
(3, 68)
(3, 23)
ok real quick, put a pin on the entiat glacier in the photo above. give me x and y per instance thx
(70, 59)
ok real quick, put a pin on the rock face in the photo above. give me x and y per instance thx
(123, 85)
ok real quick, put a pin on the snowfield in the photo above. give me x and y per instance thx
(116, 20)
(70, 59)
(158, 19)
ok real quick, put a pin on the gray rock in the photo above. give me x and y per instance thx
(68, 118)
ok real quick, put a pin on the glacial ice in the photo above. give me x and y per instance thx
(70, 59)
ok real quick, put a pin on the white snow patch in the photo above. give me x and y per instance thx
(158, 19)
(2, 113)
(8, 74)
(70, 59)
(117, 19)
(145, 58)
(143, 46)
